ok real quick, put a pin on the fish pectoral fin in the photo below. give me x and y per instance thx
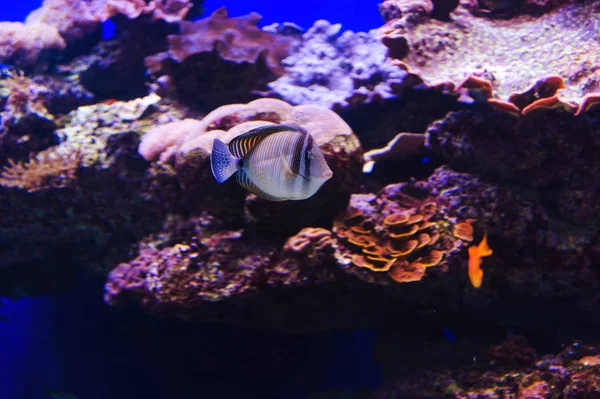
(244, 180)
(287, 170)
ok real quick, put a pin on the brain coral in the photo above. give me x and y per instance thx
(511, 54)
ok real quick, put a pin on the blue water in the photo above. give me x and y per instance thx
(74, 342)
(355, 15)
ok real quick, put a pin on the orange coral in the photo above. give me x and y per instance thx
(590, 101)
(464, 231)
(553, 102)
(543, 88)
(394, 237)
(307, 237)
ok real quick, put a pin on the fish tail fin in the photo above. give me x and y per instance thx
(222, 163)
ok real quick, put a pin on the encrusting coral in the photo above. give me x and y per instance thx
(213, 264)
(560, 42)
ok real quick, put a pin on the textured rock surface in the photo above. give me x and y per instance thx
(553, 152)
(488, 84)
(572, 373)
(561, 42)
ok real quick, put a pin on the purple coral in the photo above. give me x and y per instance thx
(335, 69)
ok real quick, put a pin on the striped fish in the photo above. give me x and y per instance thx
(275, 162)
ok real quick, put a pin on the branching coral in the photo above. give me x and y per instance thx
(338, 70)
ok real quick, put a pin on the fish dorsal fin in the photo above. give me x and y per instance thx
(243, 143)
(245, 181)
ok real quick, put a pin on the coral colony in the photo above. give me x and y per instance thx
(105, 151)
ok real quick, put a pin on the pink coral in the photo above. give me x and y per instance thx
(75, 19)
(160, 138)
(22, 44)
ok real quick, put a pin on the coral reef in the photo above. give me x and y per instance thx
(215, 265)
(24, 109)
(483, 119)
(115, 69)
(217, 58)
(560, 42)
(83, 196)
(406, 233)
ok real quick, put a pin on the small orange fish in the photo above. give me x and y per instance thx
(475, 255)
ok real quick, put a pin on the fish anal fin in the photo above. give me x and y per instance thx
(247, 183)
